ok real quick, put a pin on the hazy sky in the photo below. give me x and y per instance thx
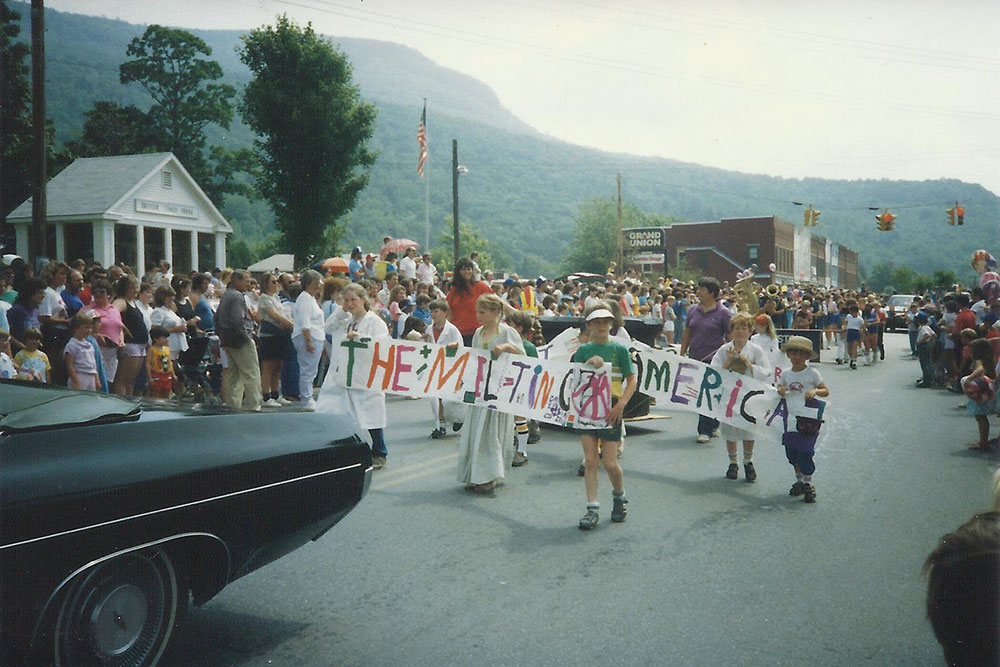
(847, 89)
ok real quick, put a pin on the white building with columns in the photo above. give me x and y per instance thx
(131, 209)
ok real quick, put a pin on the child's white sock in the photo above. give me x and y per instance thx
(521, 430)
(798, 477)
(807, 479)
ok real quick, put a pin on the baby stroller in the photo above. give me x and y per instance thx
(193, 370)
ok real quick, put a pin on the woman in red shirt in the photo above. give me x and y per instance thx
(465, 289)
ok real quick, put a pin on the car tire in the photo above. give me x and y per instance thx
(120, 612)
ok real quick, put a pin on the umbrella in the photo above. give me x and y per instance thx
(333, 265)
(397, 246)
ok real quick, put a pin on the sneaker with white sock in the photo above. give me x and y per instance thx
(309, 406)
(272, 403)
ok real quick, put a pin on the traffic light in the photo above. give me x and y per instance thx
(886, 221)
(956, 214)
(951, 215)
(960, 212)
(810, 217)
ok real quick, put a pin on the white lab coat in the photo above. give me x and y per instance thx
(366, 407)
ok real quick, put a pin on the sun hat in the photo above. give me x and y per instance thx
(798, 343)
(601, 314)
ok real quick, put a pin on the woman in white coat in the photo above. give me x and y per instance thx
(354, 320)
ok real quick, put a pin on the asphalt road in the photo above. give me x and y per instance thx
(706, 571)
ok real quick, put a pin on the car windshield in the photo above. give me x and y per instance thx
(900, 301)
(25, 406)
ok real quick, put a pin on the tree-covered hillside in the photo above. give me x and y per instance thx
(523, 190)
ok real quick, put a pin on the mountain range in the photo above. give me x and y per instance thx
(523, 188)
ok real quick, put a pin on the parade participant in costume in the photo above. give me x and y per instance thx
(486, 450)
(355, 321)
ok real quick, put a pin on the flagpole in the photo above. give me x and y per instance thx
(427, 208)
(423, 173)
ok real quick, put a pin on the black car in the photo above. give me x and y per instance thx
(115, 513)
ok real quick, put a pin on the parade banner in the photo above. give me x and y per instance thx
(557, 391)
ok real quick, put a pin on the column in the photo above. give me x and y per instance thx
(104, 242)
(60, 243)
(140, 249)
(21, 239)
(168, 247)
(194, 251)
(220, 250)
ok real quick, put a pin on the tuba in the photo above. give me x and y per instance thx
(745, 290)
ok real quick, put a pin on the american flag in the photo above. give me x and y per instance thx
(422, 141)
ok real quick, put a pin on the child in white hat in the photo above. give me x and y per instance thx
(800, 445)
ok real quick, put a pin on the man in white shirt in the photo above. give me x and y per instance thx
(426, 271)
(407, 266)
(477, 274)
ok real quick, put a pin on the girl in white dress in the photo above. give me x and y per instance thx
(486, 448)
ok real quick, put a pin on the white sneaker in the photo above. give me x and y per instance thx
(702, 438)
(309, 406)
(285, 401)
(715, 433)
(272, 403)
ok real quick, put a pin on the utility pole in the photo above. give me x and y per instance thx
(454, 194)
(621, 256)
(36, 234)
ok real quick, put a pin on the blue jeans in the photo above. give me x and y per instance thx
(378, 442)
(706, 425)
(926, 355)
(913, 340)
(290, 374)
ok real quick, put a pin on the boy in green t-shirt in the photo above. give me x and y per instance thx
(600, 350)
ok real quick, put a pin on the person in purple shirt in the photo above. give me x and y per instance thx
(706, 331)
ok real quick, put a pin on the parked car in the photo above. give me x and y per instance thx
(117, 512)
(895, 310)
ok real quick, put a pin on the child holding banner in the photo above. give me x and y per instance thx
(522, 322)
(486, 448)
(742, 356)
(444, 332)
(354, 320)
(800, 444)
(599, 350)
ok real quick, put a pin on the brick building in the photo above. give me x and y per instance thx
(722, 248)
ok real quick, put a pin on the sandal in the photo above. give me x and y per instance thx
(484, 488)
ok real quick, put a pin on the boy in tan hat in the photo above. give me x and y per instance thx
(800, 444)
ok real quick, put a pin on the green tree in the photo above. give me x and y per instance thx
(902, 278)
(491, 256)
(313, 131)
(880, 276)
(165, 62)
(15, 114)
(111, 129)
(944, 279)
(595, 242)
(923, 283)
